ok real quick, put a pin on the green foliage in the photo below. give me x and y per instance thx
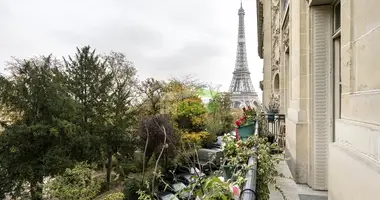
(89, 83)
(238, 153)
(196, 138)
(115, 196)
(191, 106)
(153, 92)
(40, 142)
(215, 189)
(131, 186)
(266, 166)
(104, 90)
(75, 183)
(219, 119)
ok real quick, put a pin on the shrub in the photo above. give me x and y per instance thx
(198, 138)
(191, 114)
(75, 183)
(115, 196)
(131, 186)
(152, 126)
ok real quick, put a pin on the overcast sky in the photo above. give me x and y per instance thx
(165, 38)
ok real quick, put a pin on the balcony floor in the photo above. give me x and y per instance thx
(292, 190)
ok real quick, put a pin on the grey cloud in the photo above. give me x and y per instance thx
(115, 35)
(163, 37)
(191, 57)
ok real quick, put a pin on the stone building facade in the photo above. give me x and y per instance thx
(320, 61)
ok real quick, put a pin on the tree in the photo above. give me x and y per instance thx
(121, 112)
(152, 136)
(89, 83)
(153, 91)
(38, 143)
(220, 117)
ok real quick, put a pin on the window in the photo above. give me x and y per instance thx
(336, 17)
(337, 80)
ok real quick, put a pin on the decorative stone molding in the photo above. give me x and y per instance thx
(275, 29)
(285, 38)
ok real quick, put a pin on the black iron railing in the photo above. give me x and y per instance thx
(272, 125)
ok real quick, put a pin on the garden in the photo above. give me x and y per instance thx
(85, 127)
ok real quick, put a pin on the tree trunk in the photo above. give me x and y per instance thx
(35, 190)
(109, 169)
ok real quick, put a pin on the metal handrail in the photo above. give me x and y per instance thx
(249, 189)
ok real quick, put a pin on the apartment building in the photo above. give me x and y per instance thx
(320, 61)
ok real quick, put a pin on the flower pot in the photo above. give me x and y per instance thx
(271, 139)
(270, 117)
(246, 130)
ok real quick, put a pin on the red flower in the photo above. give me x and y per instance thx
(249, 108)
(238, 123)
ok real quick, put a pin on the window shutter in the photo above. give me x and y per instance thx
(321, 93)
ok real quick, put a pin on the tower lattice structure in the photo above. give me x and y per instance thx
(241, 87)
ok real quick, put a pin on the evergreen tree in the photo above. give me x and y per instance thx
(89, 83)
(38, 143)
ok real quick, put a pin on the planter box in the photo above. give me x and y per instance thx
(246, 130)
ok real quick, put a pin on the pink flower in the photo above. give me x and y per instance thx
(235, 190)
(249, 108)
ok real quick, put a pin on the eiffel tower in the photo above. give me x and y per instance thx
(241, 88)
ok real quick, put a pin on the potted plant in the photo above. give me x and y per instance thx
(273, 108)
(236, 155)
(245, 125)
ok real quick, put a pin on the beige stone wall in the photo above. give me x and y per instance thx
(354, 160)
(267, 54)
(286, 55)
(297, 98)
(353, 140)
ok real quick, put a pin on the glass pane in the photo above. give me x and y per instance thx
(337, 16)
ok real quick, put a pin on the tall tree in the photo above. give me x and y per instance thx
(89, 83)
(38, 143)
(121, 119)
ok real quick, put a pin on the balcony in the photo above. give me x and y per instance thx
(273, 127)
